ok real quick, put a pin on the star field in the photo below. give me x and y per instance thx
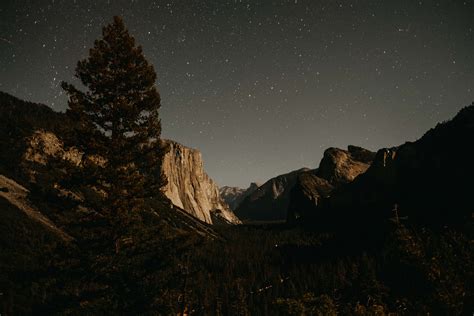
(263, 87)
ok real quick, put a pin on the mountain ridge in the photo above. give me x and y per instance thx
(425, 181)
(233, 196)
(337, 168)
(269, 201)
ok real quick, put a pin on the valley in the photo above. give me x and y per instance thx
(313, 259)
(356, 119)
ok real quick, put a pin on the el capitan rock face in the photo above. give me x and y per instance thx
(233, 196)
(191, 189)
(337, 168)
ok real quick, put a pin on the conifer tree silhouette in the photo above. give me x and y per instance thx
(118, 126)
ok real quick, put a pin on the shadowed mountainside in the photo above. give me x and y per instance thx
(272, 200)
(18, 120)
(233, 196)
(269, 202)
(426, 181)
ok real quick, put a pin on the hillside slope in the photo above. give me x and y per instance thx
(269, 202)
(426, 181)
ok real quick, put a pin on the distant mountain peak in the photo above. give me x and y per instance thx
(233, 196)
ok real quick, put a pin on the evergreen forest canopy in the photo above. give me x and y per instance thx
(129, 251)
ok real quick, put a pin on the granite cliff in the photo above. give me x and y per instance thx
(340, 166)
(191, 189)
(337, 168)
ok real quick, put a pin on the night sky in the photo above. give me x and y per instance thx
(263, 87)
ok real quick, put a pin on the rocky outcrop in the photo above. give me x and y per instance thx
(18, 121)
(233, 196)
(191, 189)
(342, 166)
(270, 201)
(338, 167)
(427, 181)
(43, 145)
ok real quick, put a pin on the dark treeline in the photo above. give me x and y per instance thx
(272, 270)
(278, 270)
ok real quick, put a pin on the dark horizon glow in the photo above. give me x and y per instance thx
(263, 87)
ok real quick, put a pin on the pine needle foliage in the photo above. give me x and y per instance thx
(118, 126)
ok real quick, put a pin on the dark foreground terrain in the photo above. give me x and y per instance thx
(279, 270)
(248, 270)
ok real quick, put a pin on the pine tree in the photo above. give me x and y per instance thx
(117, 121)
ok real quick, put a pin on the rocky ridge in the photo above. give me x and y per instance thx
(282, 197)
(426, 181)
(337, 168)
(269, 202)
